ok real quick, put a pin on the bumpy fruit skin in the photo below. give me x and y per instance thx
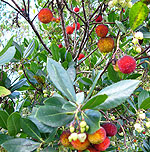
(80, 145)
(81, 56)
(92, 149)
(69, 29)
(104, 145)
(97, 137)
(76, 9)
(105, 44)
(78, 25)
(45, 15)
(64, 138)
(127, 64)
(53, 19)
(101, 30)
(98, 19)
(110, 129)
(60, 45)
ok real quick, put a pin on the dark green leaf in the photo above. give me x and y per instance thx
(49, 149)
(142, 96)
(13, 123)
(3, 119)
(30, 128)
(92, 118)
(53, 116)
(55, 51)
(145, 104)
(51, 135)
(69, 57)
(117, 93)
(61, 79)
(138, 14)
(34, 67)
(4, 138)
(20, 145)
(94, 101)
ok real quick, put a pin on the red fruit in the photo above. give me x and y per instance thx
(78, 25)
(60, 45)
(64, 138)
(45, 15)
(57, 20)
(98, 19)
(144, 132)
(53, 19)
(101, 30)
(80, 145)
(98, 136)
(92, 149)
(110, 129)
(127, 64)
(22, 9)
(81, 56)
(123, 10)
(104, 145)
(76, 9)
(69, 29)
(105, 44)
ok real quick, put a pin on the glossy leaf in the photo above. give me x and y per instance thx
(117, 93)
(94, 101)
(20, 145)
(53, 116)
(55, 51)
(142, 96)
(4, 138)
(72, 73)
(3, 119)
(29, 49)
(8, 55)
(4, 92)
(92, 118)
(121, 26)
(30, 128)
(13, 123)
(61, 79)
(138, 14)
(51, 135)
(145, 104)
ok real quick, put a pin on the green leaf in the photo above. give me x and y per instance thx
(113, 75)
(142, 96)
(51, 135)
(20, 145)
(55, 51)
(18, 85)
(72, 73)
(145, 104)
(94, 101)
(61, 79)
(53, 116)
(121, 26)
(8, 55)
(4, 92)
(7, 46)
(92, 118)
(29, 49)
(49, 149)
(34, 67)
(138, 14)
(69, 57)
(80, 97)
(13, 123)
(30, 128)
(146, 34)
(117, 93)
(4, 138)
(3, 119)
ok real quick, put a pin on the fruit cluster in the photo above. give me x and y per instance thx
(70, 29)
(98, 141)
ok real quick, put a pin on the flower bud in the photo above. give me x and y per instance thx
(82, 130)
(72, 129)
(138, 35)
(82, 137)
(44, 91)
(135, 41)
(138, 127)
(82, 124)
(74, 136)
(147, 124)
(87, 128)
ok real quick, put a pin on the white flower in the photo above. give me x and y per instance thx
(142, 115)
(82, 137)
(115, 2)
(138, 50)
(121, 2)
(138, 35)
(138, 127)
(147, 124)
(74, 136)
(20, 72)
(135, 41)
(129, 4)
(110, 4)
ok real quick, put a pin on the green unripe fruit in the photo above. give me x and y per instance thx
(45, 95)
(82, 124)
(44, 91)
(82, 130)
(72, 129)
(87, 128)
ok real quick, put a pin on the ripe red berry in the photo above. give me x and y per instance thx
(92, 149)
(64, 138)
(126, 64)
(45, 15)
(104, 145)
(76, 9)
(78, 25)
(98, 19)
(110, 129)
(60, 45)
(144, 132)
(69, 29)
(123, 10)
(22, 9)
(81, 56)
(101, 30)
